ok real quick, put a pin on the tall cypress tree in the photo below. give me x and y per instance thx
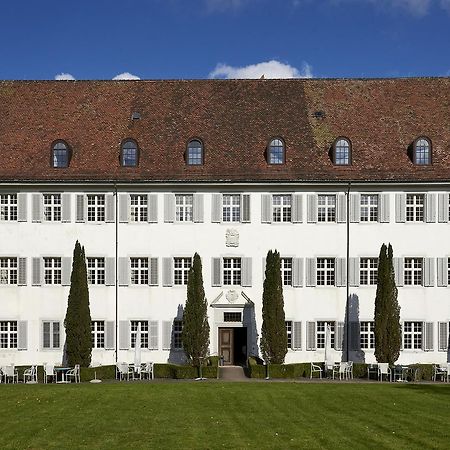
(273, 330)
(195, 334)
(78, 315)
(387, 310)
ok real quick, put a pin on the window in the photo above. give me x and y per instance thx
(369, 208)
(325, 271)
(232, 317)
(414, 207)
(326, 208)
(177, 334)
(276, 151)
(8, 334)
(98, 333)
(52, 270)
(60, 155)
(50, 335)
(367, 335)
(138, 208)
(195, 153)
(96, 270)
(184, 207)
(96, 208)
(413, 271)
(8, 271)
(422, 151)
(321, 332)
(412, 335)
(342, 152)
(231, 207)
(288, 325)
(139, 270)
(129, 154)
(52, 207)
(286, 271)
(181, 270)
(8, 207)
(368, 271)
(232, 271)
(282, 211)
(144, 333)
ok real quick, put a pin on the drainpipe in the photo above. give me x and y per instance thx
(116, 268)
(347, 322)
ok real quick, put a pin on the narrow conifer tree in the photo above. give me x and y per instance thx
(78, 315)
(273, 331)
(195, 334)
(387, 310)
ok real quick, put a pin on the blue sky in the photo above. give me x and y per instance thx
(160, 39)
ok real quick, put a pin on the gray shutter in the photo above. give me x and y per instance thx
(353, 276)
(384, 208)
(110, 271)
(167, 271)
(198, 208)
(246, 279)
(310, 335)
(22, 278)
(443, 336)
(399, 265)
(400, 207)
(245, 208)
(430, 208)
(22, 338)
(312, 208)
(341, 215)
(341, 272)
(428, 278)
(123, 207)
(124, 335)
(297, 208)
(124, 276)
(152, 205)
(22, 207)
(80, 214)
(266, 208)
(153, 335)
(66, 269)
(311, 271)
(296, 336)
(166, 334)
(216, 208)
(297, 272)
(442, 272)
(36, 273)
(429, 336)
(36, 212)
(355, 208)
(443, 204)
(216, 272)
(153, 278)
(355, 336)
(169, 208)
(110, 338)
(339, 335)
(66, 200)
(110, 208)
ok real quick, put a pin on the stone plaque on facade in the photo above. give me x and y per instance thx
(232, 296)
(232, 238)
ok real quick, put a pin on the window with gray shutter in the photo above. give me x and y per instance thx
(442, 272)
(124, 266)
(341, 272)
(428, 272)
(66, 269)
(443, 338)
(22, 279)
(110, 208)
(22, 207)
(153, 278)
(110, 271)
(66, 207)
(169, 208)
(245, 211)
(36, 266)
(341, 208)
(355, 208)
(198, 208)
(22, 335)
(80, 208)
(312, 208)
(339, 336)
(167, 271)
(246, 272)
(216, 208)
(443, 204)
(266, 208)
(124, 335)
(36, 207)
(297, 208)
(153, 335)
(429, 336)
(399, 266)
(430, 208)
(110, 339)
(297, 336)
(124, 207)
(353, 276)
(400, 208)
(311, 336)
(152, 202)
(297, 272)
(311, 273)
(216, 272)
(166, 334)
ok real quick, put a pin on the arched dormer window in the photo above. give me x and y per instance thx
(422, 151)
(275, 152)
(129, 154)
(60, 154)
(342, 152)
(194, 153)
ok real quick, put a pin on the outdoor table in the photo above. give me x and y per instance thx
(63, 371)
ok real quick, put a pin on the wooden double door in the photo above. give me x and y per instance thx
(233, 345)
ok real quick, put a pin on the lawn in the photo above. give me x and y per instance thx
(225, 415)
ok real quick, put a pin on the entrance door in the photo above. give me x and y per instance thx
(226, 345)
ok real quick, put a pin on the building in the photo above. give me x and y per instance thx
(145, 173)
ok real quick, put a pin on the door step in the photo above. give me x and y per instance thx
(232, 373)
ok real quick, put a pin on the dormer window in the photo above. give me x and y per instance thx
(129, 154)
(194, 153)
(422, 151)
(275, 152)
(60, 154)
(341, 152)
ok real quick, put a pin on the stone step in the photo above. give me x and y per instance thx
(232, 373)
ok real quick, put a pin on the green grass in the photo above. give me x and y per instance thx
(180, 415)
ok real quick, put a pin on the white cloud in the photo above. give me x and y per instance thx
(64, 76)
(270, 69)
(223, 5)
(126, 76)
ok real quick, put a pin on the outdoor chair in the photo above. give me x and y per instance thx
(384, 369)
(74, 373)
(442, 371)
(349, 370)
(49, 372)
(340, 370)
(30, 375)
(10, 373)
(147, 371)
(124, 370)
(315, 369)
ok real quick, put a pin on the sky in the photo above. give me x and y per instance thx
(199, 39)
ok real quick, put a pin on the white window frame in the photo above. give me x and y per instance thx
(326, 208)
(415, 208)
(8, 207)
(181, 267)
(184, 207)
(9, 334)
(9, 271)
(52, 270)
(367, 334)
(98, 333)
(282, 208)
(369, 207)
(96, 270)
(326, 271)
(138, 208)
(232, 273)
(286, 270)
(52, 334)
(413, 271)
(145, 333)
(231, 208)
(368, 271)
(96, 208)
(413, 335)
(139, 270)
(289, 324)
(52, 207)
(177, 334)
(321, 329)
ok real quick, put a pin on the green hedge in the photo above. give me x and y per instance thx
(177, 371)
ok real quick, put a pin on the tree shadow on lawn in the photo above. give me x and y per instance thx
(437, 389)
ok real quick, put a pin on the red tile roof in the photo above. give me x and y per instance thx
(234, 118)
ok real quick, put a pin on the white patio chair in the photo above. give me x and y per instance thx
(10, 373)
(315, 369)
(124, 370)
(147, 371)
(340, 369)
(440, 370)
(349, 370)
(49, 371)
(74, 373)
(384, 369)
(30, 375)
